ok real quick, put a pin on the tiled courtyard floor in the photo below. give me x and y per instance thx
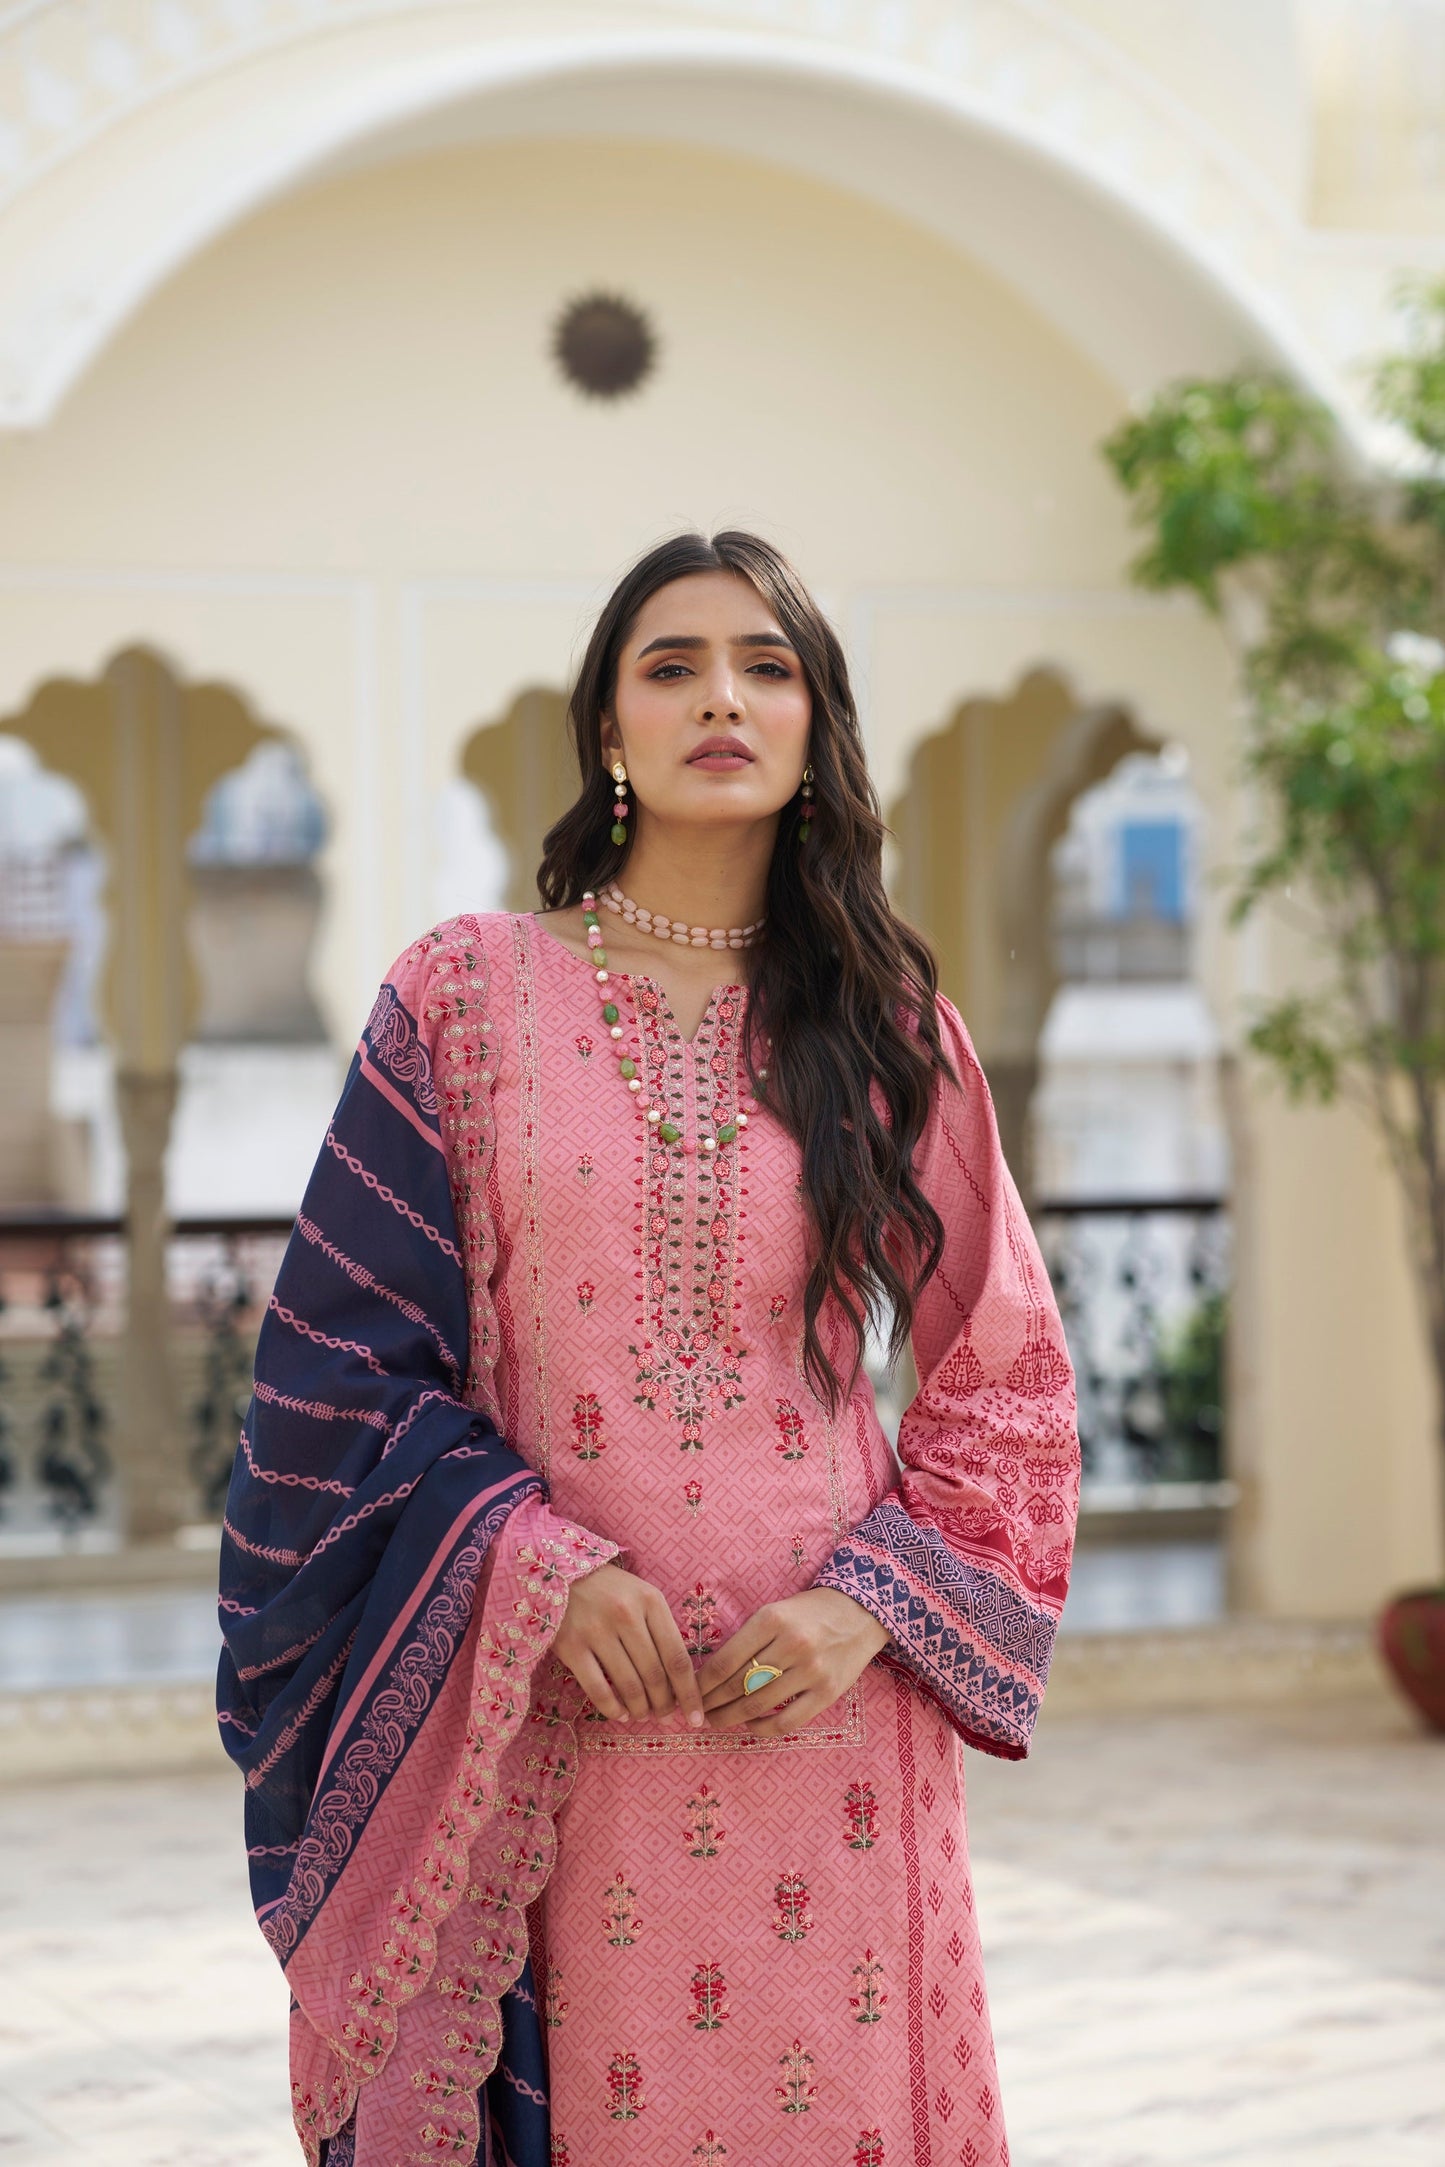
(1211, 1939)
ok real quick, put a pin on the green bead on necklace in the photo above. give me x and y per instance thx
(667, 1132)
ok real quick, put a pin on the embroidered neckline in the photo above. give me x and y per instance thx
(640, 978)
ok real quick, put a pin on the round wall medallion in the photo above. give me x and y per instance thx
(603, 345)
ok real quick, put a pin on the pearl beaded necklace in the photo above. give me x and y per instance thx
(673, 929)
(667, 1131)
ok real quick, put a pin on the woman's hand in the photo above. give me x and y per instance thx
(821, 1641)
(621, 1643)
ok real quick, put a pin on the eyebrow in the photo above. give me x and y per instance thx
(693, 640)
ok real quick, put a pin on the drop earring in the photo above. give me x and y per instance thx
(806, 809)
(620, 808)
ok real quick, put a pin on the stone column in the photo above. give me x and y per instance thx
(145, 748)
(156, 1492)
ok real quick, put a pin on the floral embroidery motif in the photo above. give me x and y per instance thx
(585, 1168)
(587, 1422)
(688, 1292)
(777, 1303)
(586, 1294)
(709, 1999)
(797, 1548)
(697, 1383)
(861, 1807)
(868, 1999)
(796, 2093)
(703, 1834)
(710, 2150)
(868, 2152)
(621, 1919)
(624, 2088)
(465, 1069)
(701, 1633)
(794, 1908)
(692, 1492)
(792, 1442)
(558, 2154)
(554, 2007)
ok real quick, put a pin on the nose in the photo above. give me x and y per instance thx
(720, 700)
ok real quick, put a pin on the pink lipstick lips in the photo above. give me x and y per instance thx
(721, 755)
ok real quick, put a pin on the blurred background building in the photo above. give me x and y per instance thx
(347, 353)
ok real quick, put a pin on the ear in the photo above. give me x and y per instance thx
(611, 740)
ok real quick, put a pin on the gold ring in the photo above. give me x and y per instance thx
(757, 1675)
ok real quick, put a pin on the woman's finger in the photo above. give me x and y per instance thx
(626, 1684)
(759, 1646)
(590, 1675)
(648, 1664)
(719, 1667)
(676, 1662)
(731, 1705)
(793, 1716)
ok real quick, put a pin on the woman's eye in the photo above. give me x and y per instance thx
(773, 669)
(666, 669)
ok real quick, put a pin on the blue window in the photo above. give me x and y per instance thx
(1151, 869)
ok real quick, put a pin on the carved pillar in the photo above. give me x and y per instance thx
(156, 1493)
(145, 748)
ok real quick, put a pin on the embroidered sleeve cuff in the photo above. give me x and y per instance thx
(967, 1637)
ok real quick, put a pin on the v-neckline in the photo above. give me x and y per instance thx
(644, 978)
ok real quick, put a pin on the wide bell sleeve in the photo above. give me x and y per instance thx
(966, 1560)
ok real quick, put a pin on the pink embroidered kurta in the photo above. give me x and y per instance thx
(752, 1953)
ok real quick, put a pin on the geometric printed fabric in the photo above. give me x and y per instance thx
(751, 1954)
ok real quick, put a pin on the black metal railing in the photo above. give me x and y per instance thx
(1143, 1288)
(1142, 1285)
(62, 1322)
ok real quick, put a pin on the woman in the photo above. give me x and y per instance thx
(604, 1788)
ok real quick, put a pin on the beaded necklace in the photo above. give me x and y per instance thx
(627, 1057)
(673, 929)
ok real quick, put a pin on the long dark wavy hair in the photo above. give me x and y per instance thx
(843, 988)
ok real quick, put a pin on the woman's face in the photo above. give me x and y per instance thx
(712, 710)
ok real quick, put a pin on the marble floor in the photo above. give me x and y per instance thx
(1212, 1939)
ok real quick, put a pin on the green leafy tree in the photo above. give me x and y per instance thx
(1331, 581)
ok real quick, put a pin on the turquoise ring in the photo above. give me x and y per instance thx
(757, 1675)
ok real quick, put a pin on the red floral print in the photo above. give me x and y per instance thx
(700, 1631)
(704, 1833)
(792, 1441)
(794, 1913)
(709, 1999)
(868, 1999)
(624, 2088)
(587, 1422)
(861, 1808)
(796, 2093)
(621, 1920)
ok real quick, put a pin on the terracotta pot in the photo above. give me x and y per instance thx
(1411, 1637)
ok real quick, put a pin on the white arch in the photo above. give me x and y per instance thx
(1195, 254)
